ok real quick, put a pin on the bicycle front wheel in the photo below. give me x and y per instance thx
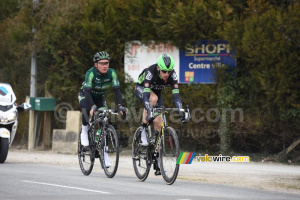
(85, 157)
(140, 157)
(168, 155)
(110, 152)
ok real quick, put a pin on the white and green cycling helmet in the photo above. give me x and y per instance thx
(101, 55)
(165, 62)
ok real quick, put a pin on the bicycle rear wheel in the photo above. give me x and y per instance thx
(140, 157)
(168, 155)
(110, 152)
(85, 157)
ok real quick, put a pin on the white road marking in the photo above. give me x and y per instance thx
(63, 186)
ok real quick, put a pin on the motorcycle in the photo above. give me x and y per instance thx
(8, 118)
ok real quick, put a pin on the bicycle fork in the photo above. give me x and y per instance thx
(99, 143)
(159, 138)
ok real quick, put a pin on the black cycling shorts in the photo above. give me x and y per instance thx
(139, 90)
(99, 102)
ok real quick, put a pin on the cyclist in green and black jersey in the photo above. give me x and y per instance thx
(149, 86)
(98, 80)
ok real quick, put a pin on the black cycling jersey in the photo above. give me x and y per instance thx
(150, 80)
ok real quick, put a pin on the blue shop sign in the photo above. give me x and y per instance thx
(198, 62)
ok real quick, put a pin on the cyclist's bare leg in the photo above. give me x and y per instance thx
(144, 116)
(152, 99)
(157, 123)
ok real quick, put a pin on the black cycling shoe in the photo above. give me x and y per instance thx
(97, 154)
(85, 149)
(157, 172)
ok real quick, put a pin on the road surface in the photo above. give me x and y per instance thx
(45, 175)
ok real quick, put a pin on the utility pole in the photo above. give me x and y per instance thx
(33, 76)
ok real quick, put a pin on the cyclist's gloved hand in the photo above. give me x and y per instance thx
(93, 109)
(122, 110)
(186, 118)
(182, 117)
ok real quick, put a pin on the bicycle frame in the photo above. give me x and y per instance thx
(107, 146)
(162, 112)
(102, 117)
(162, 151)
(160, 137)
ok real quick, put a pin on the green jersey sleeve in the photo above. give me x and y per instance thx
(89, 76)
(115, 81)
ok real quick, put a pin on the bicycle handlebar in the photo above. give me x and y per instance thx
(161, 110)
(114, 112)
(169, 109)
(101, 113)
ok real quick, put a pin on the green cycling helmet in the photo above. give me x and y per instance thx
(165, 62)
(101, 55)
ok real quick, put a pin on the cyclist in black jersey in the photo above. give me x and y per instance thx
(149, 86)
(98, 80)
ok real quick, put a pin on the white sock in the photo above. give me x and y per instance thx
(158, 163)
(84, 136)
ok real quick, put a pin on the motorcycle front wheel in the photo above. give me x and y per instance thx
(3, 149)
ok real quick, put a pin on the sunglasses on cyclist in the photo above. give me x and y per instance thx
(103, 63)
(165, 72)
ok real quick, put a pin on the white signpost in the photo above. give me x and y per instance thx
(140, 56)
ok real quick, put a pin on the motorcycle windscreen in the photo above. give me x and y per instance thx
(7, 95)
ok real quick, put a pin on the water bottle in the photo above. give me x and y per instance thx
(98, 133)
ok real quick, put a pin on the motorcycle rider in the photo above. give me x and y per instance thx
(9, 111)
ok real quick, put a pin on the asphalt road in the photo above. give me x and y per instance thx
(45, 181)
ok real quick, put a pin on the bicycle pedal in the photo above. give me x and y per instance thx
(152, 141)
(157, 173)
(85, 149)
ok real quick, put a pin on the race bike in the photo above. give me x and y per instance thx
(8, 118)
(103, 144)
(163, 149)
